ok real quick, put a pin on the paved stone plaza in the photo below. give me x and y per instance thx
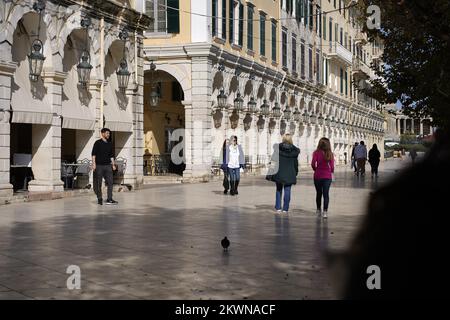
(164, 242)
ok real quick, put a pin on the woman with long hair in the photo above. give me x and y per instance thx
(235, 160)
(224, 166)
(323, 165)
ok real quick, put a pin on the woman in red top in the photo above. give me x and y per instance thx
(323, 166)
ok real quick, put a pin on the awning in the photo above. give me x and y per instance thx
(78, 106)
(29, 100)
(117, 112)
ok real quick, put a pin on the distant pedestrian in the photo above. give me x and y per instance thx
(374, 160)
(103, 164)
(286, 175)
(235, 160)
(354, 166)
(224, 166)
(413, 154)
(323, 166)
(361, 158)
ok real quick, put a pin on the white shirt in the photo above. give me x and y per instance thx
(233, 161)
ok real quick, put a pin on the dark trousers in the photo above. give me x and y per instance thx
(100, 173)
(226, 182)
(322, 189)
(374, 166)
(361, 163)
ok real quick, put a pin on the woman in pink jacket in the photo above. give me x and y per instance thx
(323, 166)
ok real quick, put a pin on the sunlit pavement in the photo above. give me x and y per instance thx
(164, 242)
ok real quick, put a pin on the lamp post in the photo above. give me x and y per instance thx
(251, 105)
(123, 74)
(154, 96)
(84, 67)
(305, 117)
(222, 99)
(287, 113)
(265, 109)
(276, 111)
(36, 57)
(238, 102)
(297, 115)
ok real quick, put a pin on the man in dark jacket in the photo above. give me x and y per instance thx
(286, 175)
(103, 164)
(374, 159)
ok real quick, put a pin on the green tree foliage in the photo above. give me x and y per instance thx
(416, 56)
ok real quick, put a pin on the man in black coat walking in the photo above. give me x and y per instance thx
(103, 164)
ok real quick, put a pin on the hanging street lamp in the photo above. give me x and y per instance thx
(238, 102)
(320, 120)
(251, 105)
(36, 57)
(287, 113)
(123, 74)
(305, 117)
(154, 96)
(84, 67)
(297, 115)
(265, 109)
(222, 99)
(276, 111)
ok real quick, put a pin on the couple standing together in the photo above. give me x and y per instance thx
(284, 171)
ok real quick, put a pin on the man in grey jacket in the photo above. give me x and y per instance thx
(361, 158)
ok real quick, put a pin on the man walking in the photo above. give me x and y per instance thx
(413, 155)
(361, 157)
(103, 165)
(353, 159)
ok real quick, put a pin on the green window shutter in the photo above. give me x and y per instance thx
(173, 16)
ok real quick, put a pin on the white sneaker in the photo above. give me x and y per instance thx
(319, 213)
(285, 211)
(279, 210)
(325, 215)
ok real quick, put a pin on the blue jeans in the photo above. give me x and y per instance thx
(322, 189)
(235, 174)
(287, 196)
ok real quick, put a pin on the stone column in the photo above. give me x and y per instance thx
(198, 122)
(412, 126)
(7, 70)
(46, 144)
(421, 127)
(254, 143)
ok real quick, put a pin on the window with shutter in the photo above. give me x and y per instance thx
(158, 11)
(262, 34)
(224, 19)
(250, 27)
(231, 21)
(173, 16)
(274, 41)
(214, 18)
(241, 24)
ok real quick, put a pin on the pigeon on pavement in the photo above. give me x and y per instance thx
(225, 243)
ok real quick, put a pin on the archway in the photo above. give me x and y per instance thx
(164, 124)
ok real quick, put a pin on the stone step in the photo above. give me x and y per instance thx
(163, 179)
